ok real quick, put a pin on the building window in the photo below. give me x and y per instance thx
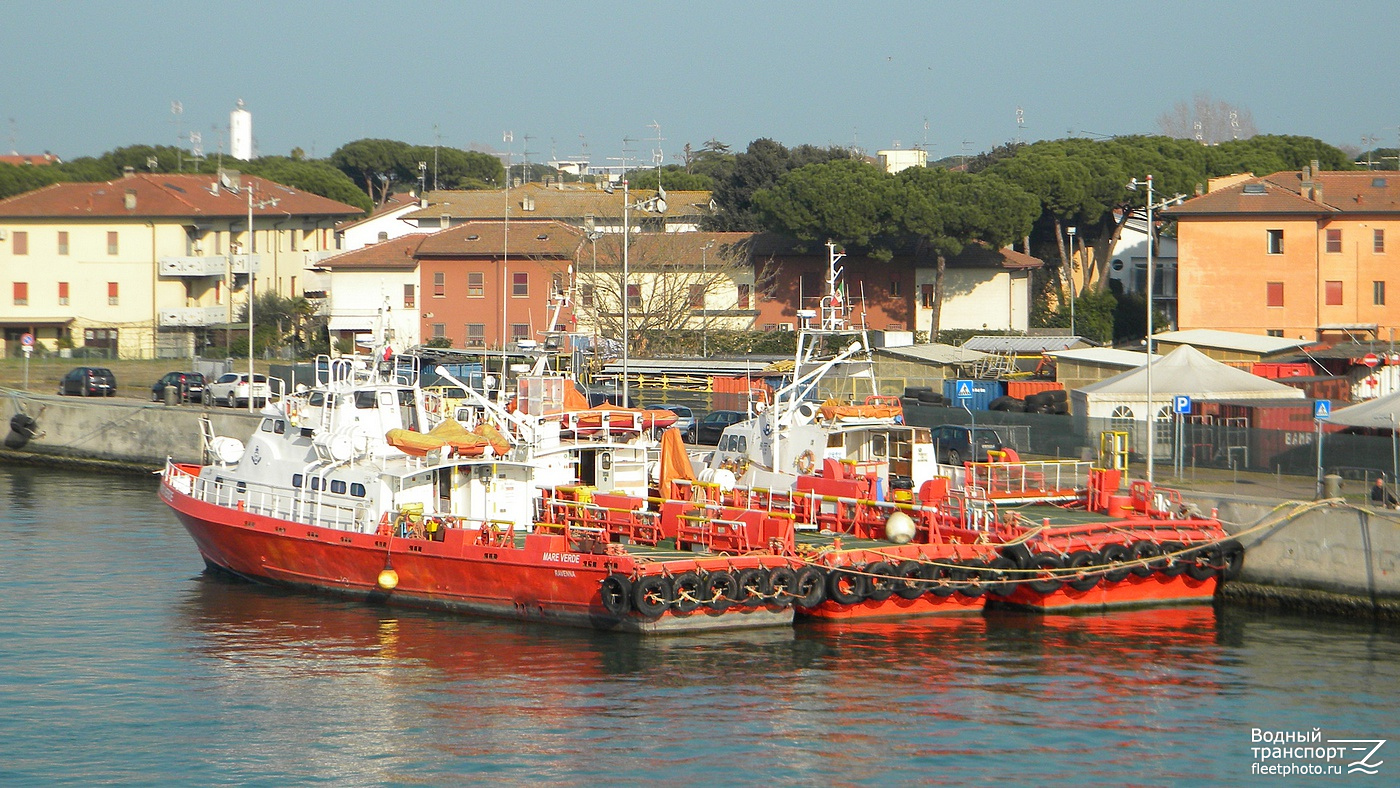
(1274, 332)
(520, 285)
(519, 331)
(1334, 241)
(112, 293)
(439, 330)
(1378, 293)
(1275, 241)
(697, 296)
(439, 284)
(476, 285)
(476, 335)
(63, 294)
(21, 242)
(634, 295)
(408, 293)
(926, 296)
(894, 288)
(1378, 241)
(21, 294)
(585, 296)
(745, 292)
(1274, 292)
(112, 242)
(63, 242)
(1332, 292)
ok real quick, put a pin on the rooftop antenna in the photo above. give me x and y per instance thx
(925, 132)
(525, 160)
(176, 110)
(657, 157)
(196, 148)
(14, 151)
(1234, 124)
(437, 142)
(1020, 126)
(966, 148)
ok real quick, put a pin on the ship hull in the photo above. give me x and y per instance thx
(541, 580)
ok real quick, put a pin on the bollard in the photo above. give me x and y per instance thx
(1331, 486)
(171, 395)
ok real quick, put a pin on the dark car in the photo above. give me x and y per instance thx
(89, 382)
(685, 420)
(708, 429)
(189, 384)
(953, 443)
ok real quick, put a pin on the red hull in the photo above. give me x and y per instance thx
(926, 605)
(1132, 591)
(541, 581)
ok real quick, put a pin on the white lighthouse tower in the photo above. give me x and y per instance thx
(240, 133)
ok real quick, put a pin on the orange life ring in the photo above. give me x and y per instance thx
(806, 462)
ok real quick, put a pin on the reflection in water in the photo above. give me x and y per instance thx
(120, 661)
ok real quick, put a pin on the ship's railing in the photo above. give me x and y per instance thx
(298, 505)
(1037, 478)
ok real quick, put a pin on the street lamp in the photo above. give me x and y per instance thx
(704, 297)
(1151, 414)
(656, 204)
(1071, 231)
(593, 236)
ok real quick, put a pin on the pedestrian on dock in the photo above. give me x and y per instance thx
(1381, 495)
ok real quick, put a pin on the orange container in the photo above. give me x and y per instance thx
(1020, 388)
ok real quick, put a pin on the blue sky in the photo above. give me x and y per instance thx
(85, 77)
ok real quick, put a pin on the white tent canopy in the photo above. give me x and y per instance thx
(1382, 413)
(1185, 370)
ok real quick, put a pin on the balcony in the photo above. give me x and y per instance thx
(208, 266)
(193, 316)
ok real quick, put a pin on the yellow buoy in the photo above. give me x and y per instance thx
(388, 579)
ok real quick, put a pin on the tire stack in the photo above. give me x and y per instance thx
(1007, 404)
(1054, 402)
(923, 395)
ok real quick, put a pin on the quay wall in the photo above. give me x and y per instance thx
(125, 433)
(1328, 557)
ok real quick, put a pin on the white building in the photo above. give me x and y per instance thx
(374, 290)
(240, 133)
(983, 289)
(1128, 264)
(893, 161)
(385, 224)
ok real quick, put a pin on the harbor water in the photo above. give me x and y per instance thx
(123, 662)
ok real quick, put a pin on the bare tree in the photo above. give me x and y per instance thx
(1207, 121)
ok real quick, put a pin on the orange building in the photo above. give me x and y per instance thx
(467, 273)
(1306, 255)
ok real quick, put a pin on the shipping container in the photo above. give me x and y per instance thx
(1275, 371)
(1259, 434)
(1020, 388)
(1321, 387)
(983, 392)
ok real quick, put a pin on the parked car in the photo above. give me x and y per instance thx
(712, 426)
(954, 443)
(89, 382)
(189, 384)
(231, 389)
(685, 420)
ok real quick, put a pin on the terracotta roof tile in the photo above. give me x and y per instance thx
(537, 201)
(394, 254)
(168, 195)
(1284, 193)
(488, 239)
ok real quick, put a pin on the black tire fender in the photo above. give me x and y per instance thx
(810, 587)
(1078, 560)
(782, 584)
(846, 587)
(1046, 584)
(718, 590)
(911, 584)
(880, 580)
(616, 591)
(1114, 555)
(686, 586)
(652, 595)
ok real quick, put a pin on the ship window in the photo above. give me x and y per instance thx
(266, 425)
(337, 486)
(297, 479)
(364, 399)
(279, 427)
(243, 487)
(317, 399)
(357, 490)
(315, 482)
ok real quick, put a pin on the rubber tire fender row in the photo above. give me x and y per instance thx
(1176, 565)
(1232, 560)
(999, 581)
(880, 581)
(1047, 584)
(911, 584)
(616, 592)
(810, 587)
(971, 572)
(845, 587)
(1115, 554)
(1078, 560)
(752, 586)
(718, 589)
(686, 586)
(652, 595)
(782, 584)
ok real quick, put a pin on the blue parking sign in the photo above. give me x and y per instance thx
(1181, 405)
